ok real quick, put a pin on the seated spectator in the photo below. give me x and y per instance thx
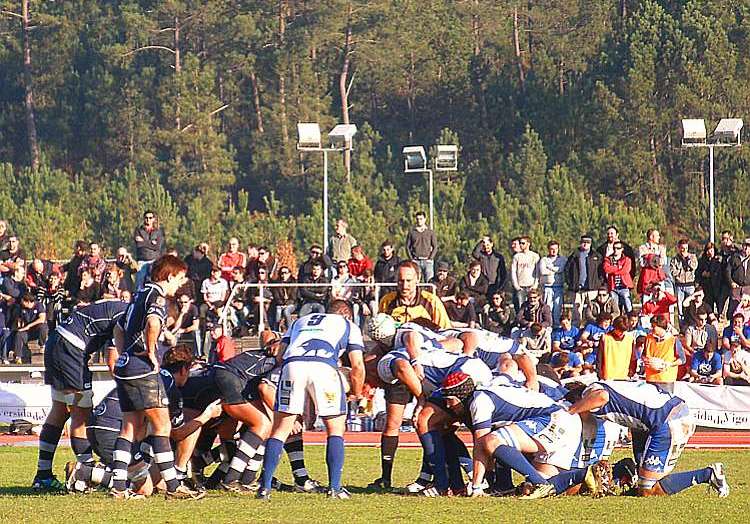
(388, 261)
(365, 304)
(72, 275)
(461, 311)
(231, 259)
(604, 302)
(341, 284)
(36, 276)
(314, 299)
(533, 310)
(743, 308)
(497, 316)
(186, 328)
(284, 300)
(475, 284)
(215, 292)
(737, 366)
(266, 260)
(251, 267)
(199, 269)
(222, 346)
(94, 263)
(27, 320)
(590, 337)
(537, 342)
(737, 331)
(566, 364)
(316, 255)
(128, 266)
(707, 366)
(694, 305)
(359, 262)
(700, 336)
(239, 303)
(88, 291)
(12, 257)
(565, 337)
(658, 303)
(114, 283)
(52, 296)
(4, 235)
(260, 300)
(445, 284)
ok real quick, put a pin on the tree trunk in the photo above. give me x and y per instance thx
(256, 102)
(343, 88)
(177, 70)
(29, 92)
(282, 88)
(561, 77)
(517, 47)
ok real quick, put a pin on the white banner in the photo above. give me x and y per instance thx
(721, 407)
(32, 402)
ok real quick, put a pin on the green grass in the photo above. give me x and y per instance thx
(18, 504)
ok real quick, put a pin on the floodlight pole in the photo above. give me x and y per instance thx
(325, 200)
(429, 172)
(712, 218)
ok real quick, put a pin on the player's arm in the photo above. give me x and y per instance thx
(406, 374)
(600, 357)
(526, 365)
(151, 338)
(592, 399)
(453, 345)
(213, 410)
(479, 457)
(357, 374)
(118, 338)
(42, 317)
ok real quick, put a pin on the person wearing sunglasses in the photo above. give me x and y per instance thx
(149, 245)
(284, 299)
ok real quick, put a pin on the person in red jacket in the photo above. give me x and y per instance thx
(659, 303)
(359, 262)
(617, 269)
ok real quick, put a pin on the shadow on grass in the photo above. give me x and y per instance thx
(25, 491)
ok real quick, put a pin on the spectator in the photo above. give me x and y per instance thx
(408, 302)
(215, 291)
(492, 263)
(52, 296)
(113, 283)
(498, 316)
(534, 311)
(658, 303)
(607, 249)
(359, 263)
(738, 275)
(316, 256)
(565, 337)
(127, 265)
(617, 269)
(239, 303)
(737, 332)
(223, 347)
(341, 243)
(13, 257)
(445, 284)
(461, 311)
(604, 302)
(253, 262)
(186, 328)
(388, 261)
(4, 235)
(652, 257)
(694, 305)
(551, 273)
(260, 299)
(199, 269)
(94, 263)
(421, 246)
(737, 366)
(267, 260)
(475, 285)
(27, 319)
(567, 364)
(583, 276)
(14, 287)
(231, 259)
(616, 359)
(682, 268)
(662, 355)
(89, 290)
(703, 334)
(536, 342)
(743, 308)
(727, 251)
(523, 274)
(341, 284)
(284, 299)
(72, 276)
(365, 303)
(314, 299)
(707, 366)
(709, 275)
(590, 337)
(149, 245)
(37, 274)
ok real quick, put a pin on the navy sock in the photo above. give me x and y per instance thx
(452, 441)
(516, 461)
(48, 440)
(425, 472)
(121, 458)
(164, 458)
(335, 461)
(82, 449)
(247, 446)
(434, 450)
(503, 478)
(296, 451)
(388, 447)
(562, 481)
(274, 447)
(677, 482)
(455, 474)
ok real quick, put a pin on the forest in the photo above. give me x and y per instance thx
(567, 116)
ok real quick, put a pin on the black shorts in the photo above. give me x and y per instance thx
(65, 366)
(235, 389)
(397, 394)
(102, 443)
(199, 392)
(137, 394)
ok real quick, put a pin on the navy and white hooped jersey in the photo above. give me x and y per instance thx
(149, 301)
(490, 345)
(497, 406)
(635, 405)
(547, 386)
(321, 337)
(248, 365)
(438, 364)
(430, 338)
(598, 440)
(90, 327)
(200, 389)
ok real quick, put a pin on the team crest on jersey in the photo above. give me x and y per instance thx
(100, 409)
(330, 396)
(161, 301)
(122, 360)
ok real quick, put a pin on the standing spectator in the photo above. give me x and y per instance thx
(533, 310)
(652, 257)
(52, 296)
(359, 263)
(616, 359)
(607, 248)
(314, 299)
(497, 315)
(388, 261)
(253, 262)
(475, 285)
(727, 251)
(707, 367)
(523, 274)
(422, 246)
(583, 276)
(199, 269)
(28, 319)
(551, 273)
(284, 299)
(604, 302)
(113, 283)
(738, 275)
(710, 276)
(461, 311)
(231, 259)
(682, 268)
(316, 256)
(215, 291)
(492, 263)
(617, 269)
(267, 260)
(341, 243)
(127, 265)
(4, 235)
(94, 262)
(737, 366)
(89, 290)
(149, 245)
(186, 328)
(13, 257)
(72, 276)
(662, 355)
(445, 284)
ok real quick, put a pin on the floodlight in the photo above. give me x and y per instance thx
(415, 159)
(693, 131)
(308, 136)
(728, 131)
(341, 136)
(447, 158)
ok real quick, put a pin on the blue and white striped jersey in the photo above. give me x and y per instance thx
(490, 346)
(322, 337)
(496, 406)
(635, 405)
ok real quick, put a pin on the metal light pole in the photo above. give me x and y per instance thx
(325, 200)
(415, 161)
(711, 210)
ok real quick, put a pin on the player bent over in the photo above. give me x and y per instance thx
(665, 422)
(66, 370)
(309, 355)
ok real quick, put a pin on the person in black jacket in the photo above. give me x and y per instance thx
(388, 261)
(199, 269)
(583, 275)
(738, 275)
(316, 256)
(476, 285)
(709, 275)
(491, 262)
(149, 245)
(314, 299)
(72, 276)
(284, 299)
(727, 250)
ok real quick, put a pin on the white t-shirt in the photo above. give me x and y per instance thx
(214, 291)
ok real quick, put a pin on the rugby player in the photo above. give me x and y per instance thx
(66, 369)
(141, 392)
(661, 424)
(309, 355)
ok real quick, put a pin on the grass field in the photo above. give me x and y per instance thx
(18, 504)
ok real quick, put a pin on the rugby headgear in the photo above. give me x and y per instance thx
(382, 328)
(458, 384)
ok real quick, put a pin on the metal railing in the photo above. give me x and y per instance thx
(262, 286)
